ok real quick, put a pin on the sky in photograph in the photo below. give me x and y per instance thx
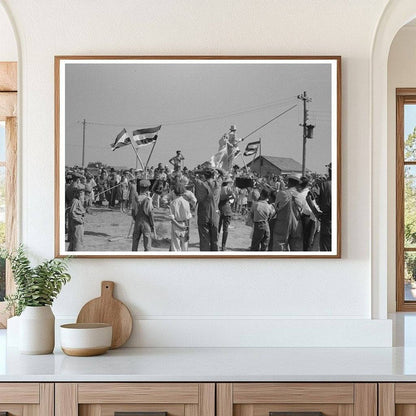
(196, 104)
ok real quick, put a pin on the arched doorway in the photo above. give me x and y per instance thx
(396, 14)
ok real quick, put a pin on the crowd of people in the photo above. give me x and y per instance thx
(286, 212)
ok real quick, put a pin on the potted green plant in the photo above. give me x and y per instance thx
(36, 289)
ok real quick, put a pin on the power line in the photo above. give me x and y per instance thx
(265, 124)
(202, 118)
(245, 137)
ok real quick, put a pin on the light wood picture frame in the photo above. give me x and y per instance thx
(253, 141)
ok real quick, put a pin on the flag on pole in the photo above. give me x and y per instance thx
(251, 148)
(121, 140)
(143, 137)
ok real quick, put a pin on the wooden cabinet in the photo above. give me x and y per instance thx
(106, 399)
(297, 399)
(397, 399)
(27, 399)
(208, 399)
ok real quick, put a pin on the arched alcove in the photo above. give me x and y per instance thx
(401, 73)
(396, 14)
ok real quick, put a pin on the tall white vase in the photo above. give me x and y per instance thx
(37, 330)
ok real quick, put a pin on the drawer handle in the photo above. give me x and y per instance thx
(138, 414)
(296, 414)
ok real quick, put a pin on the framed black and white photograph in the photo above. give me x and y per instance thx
(198, 156)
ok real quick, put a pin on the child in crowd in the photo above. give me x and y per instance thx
(180, 214)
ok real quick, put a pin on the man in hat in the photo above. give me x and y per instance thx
(176, 161)
(287, 230)
(321, 194)
(309, 221)
(186, 194)
(89, 184)
(142, 213)
(102, 185)
(231, 135)
(76, 221)
(157, 189)
(132, 190)
(227, 197)
(74, 185)
(207, 192)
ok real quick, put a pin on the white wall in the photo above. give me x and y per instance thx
(8, 47)
(179, 302)
(401, 74)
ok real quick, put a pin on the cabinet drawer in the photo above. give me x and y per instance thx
(153, 399)
(21, 399)
(138, 393)
(19, 393)
(397, 399)
(296, 399)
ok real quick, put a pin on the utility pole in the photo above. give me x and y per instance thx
(83, 142)
(305, 100)
(261, 159)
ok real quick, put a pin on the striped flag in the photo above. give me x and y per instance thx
(121, 140)
(251, 148)
(143, 137)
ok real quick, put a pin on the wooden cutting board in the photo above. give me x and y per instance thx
(107, 309)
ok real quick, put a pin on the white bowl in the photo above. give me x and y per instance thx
(83, 340)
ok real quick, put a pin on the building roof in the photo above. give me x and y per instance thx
(285, 164)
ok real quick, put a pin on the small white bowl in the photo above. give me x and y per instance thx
(84, 340)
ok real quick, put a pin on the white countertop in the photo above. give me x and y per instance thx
(213, 364)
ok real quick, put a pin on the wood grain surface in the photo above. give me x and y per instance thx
(252, 393)
(47, 399)
(8, 102)
(110, 393)
(8, 105)
(207, 399)
(27, 393)
(66, 399)
(386, 399)
(405, 393)
(224, 399)
(365, 399)
(8, 76)
(111, 409)
(107, 309)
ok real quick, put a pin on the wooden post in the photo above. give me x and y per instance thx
(8, 110)
(11, 182)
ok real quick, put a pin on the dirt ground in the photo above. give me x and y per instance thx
(111, 230)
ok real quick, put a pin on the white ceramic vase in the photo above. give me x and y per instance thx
(37, 330)
(13, 332)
